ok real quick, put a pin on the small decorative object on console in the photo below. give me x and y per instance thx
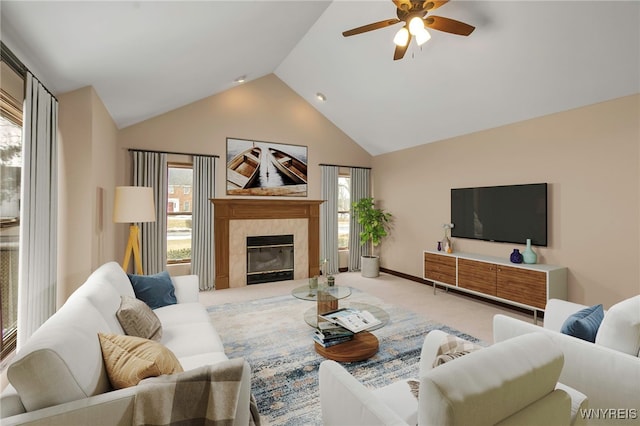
(447, 244)
(313, 282)
(528, 255)
(516, 256)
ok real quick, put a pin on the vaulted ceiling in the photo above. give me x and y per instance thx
(524, 60)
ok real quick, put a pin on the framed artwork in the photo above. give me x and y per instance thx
(266, 168)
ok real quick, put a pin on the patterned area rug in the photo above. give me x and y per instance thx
(272, 336)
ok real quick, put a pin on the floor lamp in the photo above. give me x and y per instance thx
(133, 204)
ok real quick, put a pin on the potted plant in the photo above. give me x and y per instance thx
(375, 223)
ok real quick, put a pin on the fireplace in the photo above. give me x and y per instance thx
(269, 258)
(236, 219)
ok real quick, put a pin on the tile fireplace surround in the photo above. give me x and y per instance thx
(235, 219)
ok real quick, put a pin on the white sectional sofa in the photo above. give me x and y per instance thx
(510, 383)
(607, 371)
(59, 377)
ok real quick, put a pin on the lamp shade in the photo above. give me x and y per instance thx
(402, 37)
(133, 204)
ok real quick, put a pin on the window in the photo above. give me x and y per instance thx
(10, 172)
(344, 211)
(179, 213)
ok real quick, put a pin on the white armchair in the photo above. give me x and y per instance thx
(510, 383)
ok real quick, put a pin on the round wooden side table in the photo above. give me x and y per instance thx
(363, 346)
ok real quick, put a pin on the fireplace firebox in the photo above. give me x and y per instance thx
(269, 258)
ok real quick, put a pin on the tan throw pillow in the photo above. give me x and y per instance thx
(137, 319)
(129, 359)
(453, 347)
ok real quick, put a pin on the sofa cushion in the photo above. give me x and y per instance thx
(182, 313)
(401, 399)
(194, 361)
(137, 319)
(584, 324)
(66, 353)
(129, 359)
(620, 328)
(111, 273)
(191, 339)
(490, 385)
(103, 289)
(155, 290)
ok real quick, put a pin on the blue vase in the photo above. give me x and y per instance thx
(528, 255)
(516, 256)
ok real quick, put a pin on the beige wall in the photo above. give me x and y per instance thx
(87, 145)
(265, 110)
(589, 156)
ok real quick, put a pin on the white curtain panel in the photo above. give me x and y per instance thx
(329, 219)
(38, 216)
(202, 247)
(360, 188)
(150, 169)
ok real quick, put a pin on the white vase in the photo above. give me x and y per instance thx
(370, 266)
(528, 255)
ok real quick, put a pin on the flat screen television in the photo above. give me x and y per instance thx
(508, 213)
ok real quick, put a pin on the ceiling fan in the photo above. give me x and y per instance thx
(414, 15)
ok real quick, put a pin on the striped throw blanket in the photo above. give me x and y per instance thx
(453, 347)
(203, 396)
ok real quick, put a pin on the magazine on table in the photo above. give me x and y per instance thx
(352, 319)
(331, 342)
(327, 330)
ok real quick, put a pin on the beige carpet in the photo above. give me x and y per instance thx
(467, 314)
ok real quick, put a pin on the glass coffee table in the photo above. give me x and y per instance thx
(326, 299)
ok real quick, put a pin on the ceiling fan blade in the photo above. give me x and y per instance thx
(433, 5)
(401, 50)
(402, 4)
(448, 25)
(371, 27)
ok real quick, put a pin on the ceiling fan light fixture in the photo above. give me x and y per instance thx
(416, 25)
(402, 37)
(422, 37)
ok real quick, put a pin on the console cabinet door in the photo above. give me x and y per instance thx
(440, 268)
(477, 276)
(522, 286)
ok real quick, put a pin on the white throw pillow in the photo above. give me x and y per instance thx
(620, 328)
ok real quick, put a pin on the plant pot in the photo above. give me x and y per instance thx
(370, 266)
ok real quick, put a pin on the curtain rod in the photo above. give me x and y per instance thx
(9, 58)
(350, 167)
(172, 152)
(12, 60)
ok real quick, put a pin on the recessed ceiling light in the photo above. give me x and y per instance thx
(241, 79)
(321, 97)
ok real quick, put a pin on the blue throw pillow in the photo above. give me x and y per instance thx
(584, 324)
(154, 290)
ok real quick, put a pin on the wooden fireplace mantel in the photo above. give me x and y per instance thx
(226, 209)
